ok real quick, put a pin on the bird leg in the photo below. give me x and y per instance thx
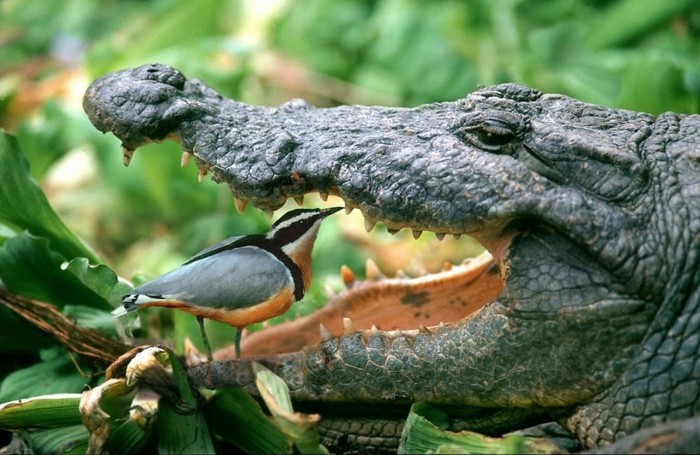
(237, 342)
(205, 340)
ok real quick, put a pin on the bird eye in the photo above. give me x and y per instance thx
(495, 133)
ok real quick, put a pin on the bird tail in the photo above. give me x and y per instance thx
(128, 305)
(119, 312)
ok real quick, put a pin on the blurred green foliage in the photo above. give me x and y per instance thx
(639, 55)
(635, 54)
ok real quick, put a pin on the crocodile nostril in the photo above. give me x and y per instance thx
(160, 73)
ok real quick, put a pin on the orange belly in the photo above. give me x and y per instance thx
(239, 317)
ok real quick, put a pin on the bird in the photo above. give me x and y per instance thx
(240, 280)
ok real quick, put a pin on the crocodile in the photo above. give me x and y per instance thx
(591, 215)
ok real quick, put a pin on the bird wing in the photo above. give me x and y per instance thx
(229, 243)
(231, 278)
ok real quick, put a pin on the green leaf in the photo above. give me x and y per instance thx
(100, 279)
(92, 318)
(23, 204)
(300, 428)
(235, 417)
(180, 432)
(128, 438)
(180, 378)
(6, 233)
(47, 411)
(63, 441)
(30, 267)
(424, 433)
(57, 375)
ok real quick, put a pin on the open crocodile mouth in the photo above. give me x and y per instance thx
(398, 305)
(266, 165)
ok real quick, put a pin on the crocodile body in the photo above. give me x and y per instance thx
(592, 215)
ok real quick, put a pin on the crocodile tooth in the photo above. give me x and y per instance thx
(201, 172)
(457, 236)
(323, 195)
(325, 334)
(192, 355)
(348, 326)
(299, 200)
(349, 209)
(417, 234)
(240, 204)
(372, 271)
(392, 231)
(423, 329)
(347, 275)
(446, 266)
(185, 158)
(439, 235)
(374, 330)
(269, 213)
(127, 154)
(330, 292)
(441, 325)
(400, 273)
(369, 224)
(395, 334)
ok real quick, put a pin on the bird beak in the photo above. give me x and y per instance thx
(329, 211)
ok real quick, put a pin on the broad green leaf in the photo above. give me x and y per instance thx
(47, 411)
(24, 205)
(425, 432)
(179, 433)
(57, 375)
(30, 267)
(235, 417)
(100, 279)
(183, 385)
(181, 427)
(129, 438)
(5, 233)
(90, 317)
(300, 428)
(61, 441)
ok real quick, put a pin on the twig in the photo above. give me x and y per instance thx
(83, 341)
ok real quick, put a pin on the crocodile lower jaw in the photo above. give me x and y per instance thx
(397, 306)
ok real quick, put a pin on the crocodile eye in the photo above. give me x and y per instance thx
(495, 133)
(491, 130)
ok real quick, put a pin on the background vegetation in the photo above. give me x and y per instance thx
(633, 54)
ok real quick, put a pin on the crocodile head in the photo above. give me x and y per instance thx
(504, 157)
(592, 214)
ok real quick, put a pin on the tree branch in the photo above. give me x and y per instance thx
(83, 341)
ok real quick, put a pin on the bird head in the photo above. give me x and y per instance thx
(296, 230)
